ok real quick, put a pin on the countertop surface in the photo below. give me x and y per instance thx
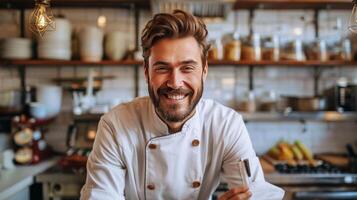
(14, 180)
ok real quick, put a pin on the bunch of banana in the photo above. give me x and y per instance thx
(304, 150)
(285, 151)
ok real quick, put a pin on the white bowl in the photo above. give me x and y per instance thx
(51, 97)
(38, 110)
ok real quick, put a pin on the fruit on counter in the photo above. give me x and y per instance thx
(297, 153)
(304, 150)
(274, 152)
(284, 151)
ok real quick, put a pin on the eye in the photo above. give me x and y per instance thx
(188, 68)
(161, 69)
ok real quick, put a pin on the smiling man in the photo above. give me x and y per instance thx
(173, 145)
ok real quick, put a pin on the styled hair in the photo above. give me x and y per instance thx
(179, 24)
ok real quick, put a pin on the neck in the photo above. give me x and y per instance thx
(175, 127)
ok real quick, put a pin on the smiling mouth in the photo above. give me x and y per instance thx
(176, 96)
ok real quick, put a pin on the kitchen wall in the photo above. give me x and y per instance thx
(222, 83)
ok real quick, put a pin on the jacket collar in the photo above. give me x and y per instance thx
(161, 128)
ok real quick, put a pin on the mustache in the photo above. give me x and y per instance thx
(171, 91)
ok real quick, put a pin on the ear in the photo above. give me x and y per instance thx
(146, 72)
(205, 71)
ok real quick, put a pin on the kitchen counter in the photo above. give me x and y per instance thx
(21, 177)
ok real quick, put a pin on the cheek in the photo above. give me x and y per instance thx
(194, 83)
(157, 81)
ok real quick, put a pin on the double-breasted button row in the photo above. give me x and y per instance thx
(195, 184)
(194, 143)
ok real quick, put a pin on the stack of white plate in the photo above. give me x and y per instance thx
(56, 44)
(91, 44)
(15, 48)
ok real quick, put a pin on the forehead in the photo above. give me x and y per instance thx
(175, 50)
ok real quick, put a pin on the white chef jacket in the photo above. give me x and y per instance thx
(135, 157)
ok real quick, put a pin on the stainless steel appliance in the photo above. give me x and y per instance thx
(342, 97)
(308, 186)
(316, 186)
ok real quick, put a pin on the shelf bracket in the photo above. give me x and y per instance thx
(251, 77)
(316, 75)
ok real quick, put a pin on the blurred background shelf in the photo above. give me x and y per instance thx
(66, 63)
(325, 116)
(47, 63)
(28, 4)
(292, 4)
(145, 4)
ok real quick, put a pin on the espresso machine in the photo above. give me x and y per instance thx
(65, 180)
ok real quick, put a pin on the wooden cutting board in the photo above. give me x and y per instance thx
(267, 167)
(335, 159)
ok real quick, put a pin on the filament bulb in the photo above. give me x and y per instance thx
(41, 19)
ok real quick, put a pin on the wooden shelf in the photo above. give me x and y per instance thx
(67, 63)
(145, 4)
(9, 112)
(324, 116)
(293, 4)
(213, 63)
(284, 63)
(29, 4)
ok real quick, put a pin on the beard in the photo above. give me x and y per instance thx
(174, 112)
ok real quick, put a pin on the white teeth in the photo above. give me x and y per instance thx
(176, 97)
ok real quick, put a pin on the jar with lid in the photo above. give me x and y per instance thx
(216, 50)
(271, 48)
(251, 48)
(317, 50)
(346, 49)
(268, 101)
(247, 102)
(293, 50)
(232, 47)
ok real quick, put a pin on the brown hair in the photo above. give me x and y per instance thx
(179, 24)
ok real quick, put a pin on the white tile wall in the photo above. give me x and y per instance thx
(222, 84)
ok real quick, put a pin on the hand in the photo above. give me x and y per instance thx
(240, 193)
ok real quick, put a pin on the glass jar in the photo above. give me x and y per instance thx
(271, 48)
(216, 50)
(251, 48)
(247, 102)
(293, 50)
(268, 102)
(317, 50)
(232, 47)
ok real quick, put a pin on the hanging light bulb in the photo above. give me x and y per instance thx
(42, 19)
(101, 21)
(352, 25)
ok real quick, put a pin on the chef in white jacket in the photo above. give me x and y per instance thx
(173, 144)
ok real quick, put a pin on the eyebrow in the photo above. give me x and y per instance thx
(182, 62)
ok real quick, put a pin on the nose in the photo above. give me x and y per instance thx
(175, 80)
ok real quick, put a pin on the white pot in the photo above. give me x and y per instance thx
(116, 45)
(63, 31)
(91, 44)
